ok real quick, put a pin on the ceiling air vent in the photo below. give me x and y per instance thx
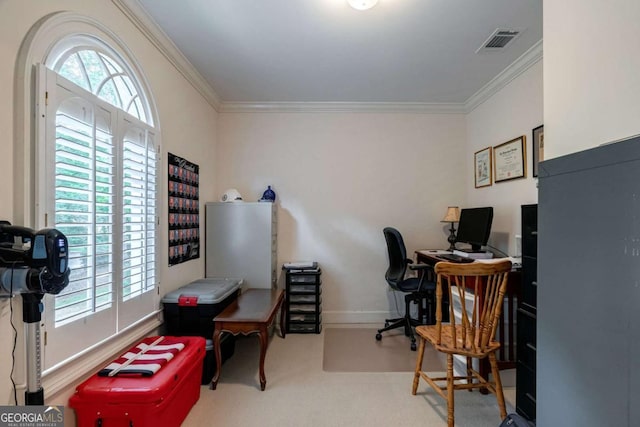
(498, 40)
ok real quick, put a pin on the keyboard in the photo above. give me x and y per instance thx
(455, 258)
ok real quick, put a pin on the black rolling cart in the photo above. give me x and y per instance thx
(303, 297)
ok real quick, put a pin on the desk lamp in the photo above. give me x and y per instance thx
(452, 215)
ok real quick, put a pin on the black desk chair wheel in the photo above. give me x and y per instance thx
(416, 289)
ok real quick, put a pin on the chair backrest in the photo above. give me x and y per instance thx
(397, 256)
(478, 290)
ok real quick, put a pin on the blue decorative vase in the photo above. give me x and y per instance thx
(269, 195)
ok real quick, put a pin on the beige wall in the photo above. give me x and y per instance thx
(329, 213)
(340, 178)
(188, 128)
(510, 113)
(591, 83)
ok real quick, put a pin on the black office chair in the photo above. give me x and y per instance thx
(419, 289)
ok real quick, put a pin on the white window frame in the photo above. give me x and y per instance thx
(29, 205)
(62, 342)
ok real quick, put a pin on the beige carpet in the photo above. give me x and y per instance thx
(300, 394)
(356, 350)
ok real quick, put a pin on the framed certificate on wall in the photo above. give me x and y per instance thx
(538, 148)
(509, 160)
(482, 167)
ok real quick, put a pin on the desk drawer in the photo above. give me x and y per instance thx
(525, 391)
(304, 278)
(296, 288)
(526, 324)
(526, 339)
(306, 298)
(529, 281)
(303, 308)
(304, 318)
(530, 230)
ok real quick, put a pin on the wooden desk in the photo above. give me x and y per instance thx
(252, 312)
(506, 329)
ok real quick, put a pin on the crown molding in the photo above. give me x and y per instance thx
(519, 66)
(342, 107)
(141, 19)
(148, 27)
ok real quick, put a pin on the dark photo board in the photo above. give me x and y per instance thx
(184, 210)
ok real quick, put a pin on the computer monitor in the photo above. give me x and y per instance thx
(474, 227)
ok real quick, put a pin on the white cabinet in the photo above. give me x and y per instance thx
(241, 241)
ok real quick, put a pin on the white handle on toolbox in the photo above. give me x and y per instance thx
(129, 361)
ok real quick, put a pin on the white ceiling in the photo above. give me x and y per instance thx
(401, 51)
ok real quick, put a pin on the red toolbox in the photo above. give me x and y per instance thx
(133, 399)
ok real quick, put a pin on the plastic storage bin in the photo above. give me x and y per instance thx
(227, 348)
(162, 399)
(190, 310)
(303, 302)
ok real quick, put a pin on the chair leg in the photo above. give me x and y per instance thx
(416, 375)
(450, 404)
(409, 327)
(406, 322)
(407, 315)
(389, 321)
(413, 342)
(469, 374)
(397, 323)
(430, 300)
(499, 394)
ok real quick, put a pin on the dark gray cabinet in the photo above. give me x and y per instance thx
(527, 316)
(588, 294)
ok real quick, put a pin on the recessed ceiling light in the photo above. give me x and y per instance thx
(362, 4)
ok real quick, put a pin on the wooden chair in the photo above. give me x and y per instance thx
(479, 288)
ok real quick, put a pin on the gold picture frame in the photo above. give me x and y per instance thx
(482, 168)
(509, 160)
(538, 148)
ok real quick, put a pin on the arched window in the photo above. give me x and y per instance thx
(101, 158)
(92, 67)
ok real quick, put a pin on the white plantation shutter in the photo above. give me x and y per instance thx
(139, 214)
(79, 169)
(84, 203)
(138, 222)
(101, 190)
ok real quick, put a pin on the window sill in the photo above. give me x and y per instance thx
(60, 377)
